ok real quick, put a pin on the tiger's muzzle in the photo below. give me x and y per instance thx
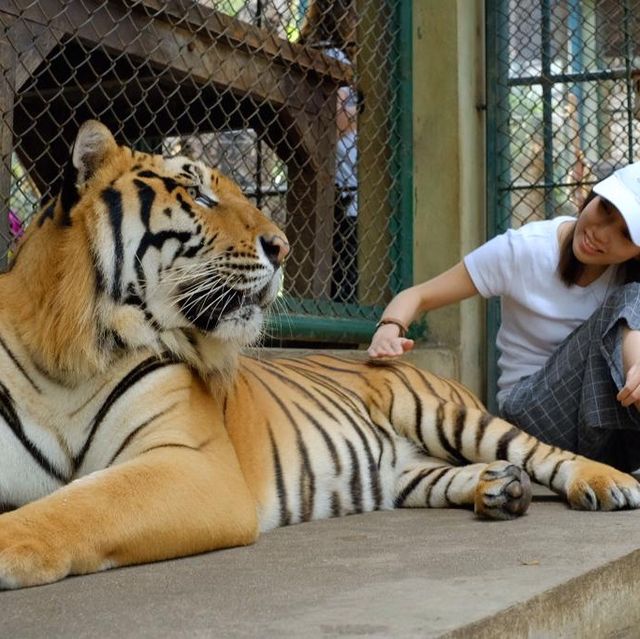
(206, 310)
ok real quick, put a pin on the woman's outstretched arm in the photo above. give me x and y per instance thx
(444, 289)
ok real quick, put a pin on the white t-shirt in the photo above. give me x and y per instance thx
(538, 309)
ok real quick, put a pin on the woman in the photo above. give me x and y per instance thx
(570, 332)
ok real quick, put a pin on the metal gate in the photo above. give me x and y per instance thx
(305, 103)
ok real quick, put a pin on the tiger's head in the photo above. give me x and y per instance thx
(139, 250)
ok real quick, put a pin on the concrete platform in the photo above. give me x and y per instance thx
(408, 573)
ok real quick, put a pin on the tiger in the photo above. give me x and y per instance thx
(134, 428)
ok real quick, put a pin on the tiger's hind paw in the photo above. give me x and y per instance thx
(596, 486)
(503, 491)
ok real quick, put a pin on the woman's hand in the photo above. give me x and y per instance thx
(448, 287)
(630, 393)
(387, 342)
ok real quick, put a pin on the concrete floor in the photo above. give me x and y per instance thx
(411, 573)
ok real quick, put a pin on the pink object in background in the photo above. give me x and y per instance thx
(15, 225)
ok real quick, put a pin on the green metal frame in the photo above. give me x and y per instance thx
(497, 166)
(402, 147)
(317, 320)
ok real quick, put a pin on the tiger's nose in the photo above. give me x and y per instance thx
(275, 248)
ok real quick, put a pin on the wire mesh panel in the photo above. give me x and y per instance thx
(563, 107)
(296, 100)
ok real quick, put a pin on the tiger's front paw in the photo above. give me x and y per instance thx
(26, 560)
(595, 486)
(503, 491)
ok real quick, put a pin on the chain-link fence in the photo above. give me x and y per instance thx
(563, 109)
(302, 102)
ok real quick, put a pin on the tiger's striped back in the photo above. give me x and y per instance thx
(325, 436)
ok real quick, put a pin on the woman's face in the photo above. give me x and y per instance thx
(601, 235)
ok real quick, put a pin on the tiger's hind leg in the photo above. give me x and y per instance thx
(499, 490)
(464, 434)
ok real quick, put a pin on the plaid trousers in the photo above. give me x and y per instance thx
(571, 401)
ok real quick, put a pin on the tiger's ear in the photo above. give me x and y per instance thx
(94, 143)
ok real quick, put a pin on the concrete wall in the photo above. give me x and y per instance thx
(448, 95)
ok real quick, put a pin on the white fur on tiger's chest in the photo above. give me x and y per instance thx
(51, 434)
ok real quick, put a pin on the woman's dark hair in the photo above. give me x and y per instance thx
(570, 269)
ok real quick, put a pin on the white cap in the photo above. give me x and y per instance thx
(622, 189)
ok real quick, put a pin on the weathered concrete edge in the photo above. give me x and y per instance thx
(599, 603)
